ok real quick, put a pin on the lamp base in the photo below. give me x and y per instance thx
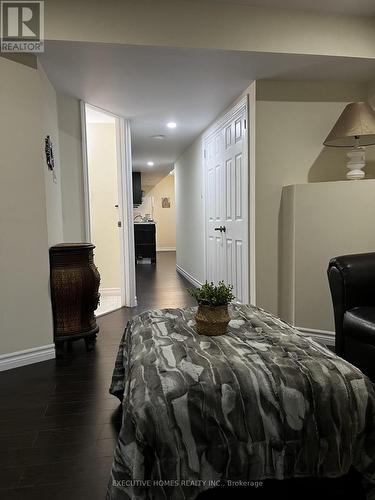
(356, 162)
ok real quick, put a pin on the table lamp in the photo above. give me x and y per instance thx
(355, 129)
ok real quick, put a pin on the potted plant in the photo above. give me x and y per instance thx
(212, 316)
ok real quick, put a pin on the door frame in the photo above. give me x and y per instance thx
(247, 99)
(125, 200)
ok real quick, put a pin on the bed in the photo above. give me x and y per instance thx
(261, 402)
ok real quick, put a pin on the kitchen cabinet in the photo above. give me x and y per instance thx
(145, 241)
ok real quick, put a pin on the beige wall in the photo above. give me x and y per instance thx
(165, 218)
(70, 139)
(290, 128)
(28, 112)
(102, 168)
(48, 123)
(322, 220)
(371, 93)
(208, 24)
(190, 211)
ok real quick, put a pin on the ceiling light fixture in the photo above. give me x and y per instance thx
(158, 137)
(150, 163)
(171, 125)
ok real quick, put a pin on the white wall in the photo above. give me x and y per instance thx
(102, 169)
(190, 211)
(70, 139)
(28, 112)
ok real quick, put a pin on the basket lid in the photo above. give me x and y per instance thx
(71, 247)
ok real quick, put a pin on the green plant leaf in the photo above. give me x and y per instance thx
(213, 295)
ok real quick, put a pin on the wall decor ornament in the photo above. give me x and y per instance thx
(50, 159)
(166, 202)
(49, 153)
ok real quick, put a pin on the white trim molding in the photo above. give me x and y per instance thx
(86, 186)
(166, 249)
(27, 357)
(105, 292)
(188, 276)
(125, 200)
(124, 173)
(325, 337)
(251, 110)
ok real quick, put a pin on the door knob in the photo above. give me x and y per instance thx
(218, 228)
(222, 229)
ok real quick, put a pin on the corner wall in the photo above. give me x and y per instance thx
(293, 119)
(190, 211)
(165, 218)
(48, 121)
(70, 138)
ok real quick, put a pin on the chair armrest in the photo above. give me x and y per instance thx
(352, 283)
(336, 285)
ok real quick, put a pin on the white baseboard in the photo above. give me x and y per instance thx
(166, 249)
(27, 357)
(322, 336)
(109, 291)
(188, 276)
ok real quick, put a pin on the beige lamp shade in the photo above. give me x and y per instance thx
(355, 127)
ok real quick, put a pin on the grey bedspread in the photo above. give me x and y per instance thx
(261, 402)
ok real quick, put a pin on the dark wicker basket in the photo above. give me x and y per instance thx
(212, 320)
(74, 291)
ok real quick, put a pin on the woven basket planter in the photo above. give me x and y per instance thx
(212, 320)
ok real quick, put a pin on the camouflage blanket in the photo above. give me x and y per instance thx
(262, 401)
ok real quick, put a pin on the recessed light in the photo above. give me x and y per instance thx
(171, 125)
(150, 163)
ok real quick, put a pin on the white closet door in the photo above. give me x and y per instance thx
(226, 194)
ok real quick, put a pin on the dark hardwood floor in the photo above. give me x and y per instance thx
(58, 423)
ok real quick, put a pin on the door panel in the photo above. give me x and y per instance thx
(226, 181)
(229, 195)
(238, 183)
(239, 265)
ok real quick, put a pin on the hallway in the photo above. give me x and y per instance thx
(59, 425)
(161, 285)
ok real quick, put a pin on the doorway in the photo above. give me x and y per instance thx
(106, 160)
(226, 180)
(154, 209)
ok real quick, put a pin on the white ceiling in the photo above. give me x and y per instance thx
(349, 7)
(152, 86)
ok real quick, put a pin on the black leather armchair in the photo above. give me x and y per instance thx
(352, 283)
